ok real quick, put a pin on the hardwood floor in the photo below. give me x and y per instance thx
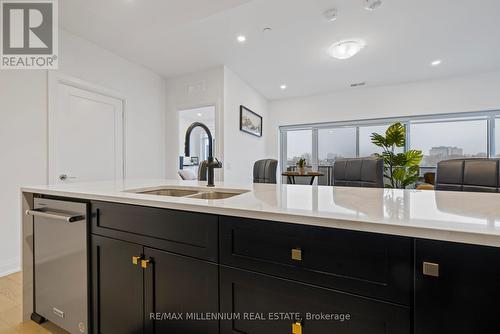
(11, 306)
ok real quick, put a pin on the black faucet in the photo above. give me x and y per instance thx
(211, 163)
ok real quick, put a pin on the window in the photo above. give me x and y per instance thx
(366, 147)
(450, 136)
(497, 137)
(298, 145)
(450, 139)
(336, 143)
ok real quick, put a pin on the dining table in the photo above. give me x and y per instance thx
(291, 175)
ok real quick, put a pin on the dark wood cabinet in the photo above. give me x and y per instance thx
(187, 233)
(459, 291)
(117, 287)
(373, 265)
(174, 284)
(271, 277)
(249, 293)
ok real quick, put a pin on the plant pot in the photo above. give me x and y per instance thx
(302, 170)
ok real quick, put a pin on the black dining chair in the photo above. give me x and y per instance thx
(203, 170)
(359, 172)
(474, 175)
(264, 171)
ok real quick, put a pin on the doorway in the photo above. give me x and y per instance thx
(86, 136)
(199, 139)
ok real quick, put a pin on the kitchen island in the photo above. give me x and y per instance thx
(281, 258)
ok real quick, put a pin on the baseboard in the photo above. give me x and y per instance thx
(9, 267)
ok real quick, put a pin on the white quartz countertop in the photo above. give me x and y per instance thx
(450, 216)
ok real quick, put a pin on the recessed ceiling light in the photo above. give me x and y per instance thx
(436, 62)
(283, 87)
(241, 38)
(199, 114)
(347, 48)
(371, 5)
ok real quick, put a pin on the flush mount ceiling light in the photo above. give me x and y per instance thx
(372, 5)
(330, 14)
(436, 62)
(347, 48)
(283, 87)
(241, 38)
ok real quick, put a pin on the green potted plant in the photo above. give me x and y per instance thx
(301, 164)
(401, 170)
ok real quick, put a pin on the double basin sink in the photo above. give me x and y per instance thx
(192, 193)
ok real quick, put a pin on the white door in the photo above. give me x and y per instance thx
(85, 136)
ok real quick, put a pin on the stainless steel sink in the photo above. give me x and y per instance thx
(170, 192)
(191, 192)
(214, 195)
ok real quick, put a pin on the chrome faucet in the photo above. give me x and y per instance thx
(212, 162)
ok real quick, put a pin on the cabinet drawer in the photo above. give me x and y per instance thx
(187, 233)
(372, 265)
(245, 293)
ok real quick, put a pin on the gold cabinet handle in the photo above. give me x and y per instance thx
(297, 328)
(135, 259)
(145, 263)
(296, 254)
(430, 269)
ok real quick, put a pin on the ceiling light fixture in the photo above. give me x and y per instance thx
(436, 62)
(199, 114)
(347, 48)
(372, 5)
(330, 14)
(241, 38)
(283, 87)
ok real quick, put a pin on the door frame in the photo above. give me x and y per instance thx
(219, 126)
(55, 78)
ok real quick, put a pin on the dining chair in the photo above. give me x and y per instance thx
(264, 171)
(473, 174)
(359, 172)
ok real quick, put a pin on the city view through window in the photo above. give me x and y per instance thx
(450, 140)
(438, 139)
(336, 143)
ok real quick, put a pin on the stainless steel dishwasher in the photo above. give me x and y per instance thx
(60, 263)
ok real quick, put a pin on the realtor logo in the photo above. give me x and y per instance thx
(29, 36)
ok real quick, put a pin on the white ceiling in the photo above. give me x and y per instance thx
(174, 37)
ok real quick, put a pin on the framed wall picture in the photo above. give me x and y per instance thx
(250, 122)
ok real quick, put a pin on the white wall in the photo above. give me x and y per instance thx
(458, 94)
(23, 147)
(191, 91)
(145, 105)
(241, 149)
(23, 126)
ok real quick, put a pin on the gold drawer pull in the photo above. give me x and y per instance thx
(135, 259)
(431, 269)
(296, 328)
(145, 263)
(297, 254)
